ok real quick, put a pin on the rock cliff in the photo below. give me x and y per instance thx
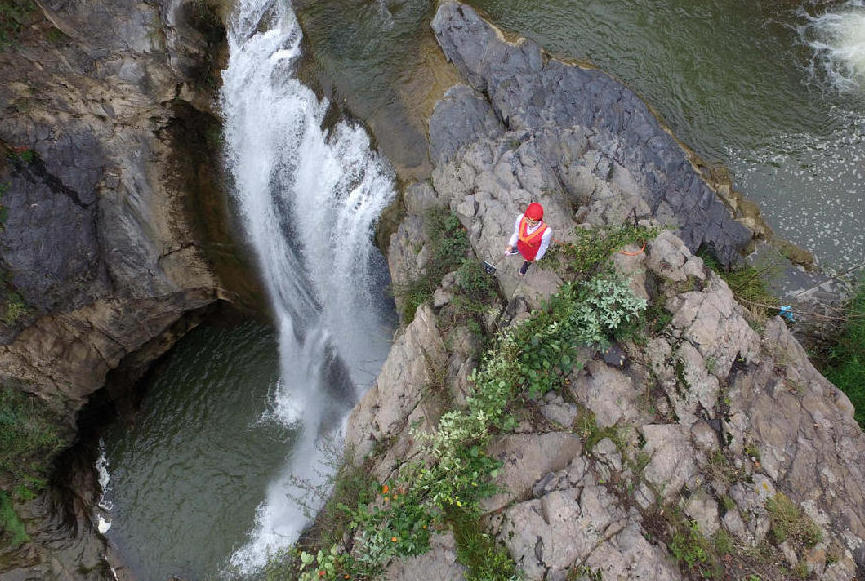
(107, 145)
(707, 446)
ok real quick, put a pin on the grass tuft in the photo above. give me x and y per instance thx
(747, 285)
(449, 245)
(788, 522)
(478, 551)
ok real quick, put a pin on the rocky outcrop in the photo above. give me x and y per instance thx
(586, 128)
(107, 142)
(707, 431)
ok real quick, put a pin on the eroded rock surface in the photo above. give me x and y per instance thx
(714, 417)
(106, 107)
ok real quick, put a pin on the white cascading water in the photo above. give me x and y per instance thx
(309, 199)
(837, 39)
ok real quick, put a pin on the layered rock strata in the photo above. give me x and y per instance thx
(106, 136)
(716, 417)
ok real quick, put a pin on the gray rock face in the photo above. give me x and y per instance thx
(97, 241)
(530, 93)
(405, 377)
(460, 119)
(526, 459)
(709, 419)
(439, 563)
(50, 240)
(95, 222)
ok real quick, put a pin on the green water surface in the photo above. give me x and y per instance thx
(738, 81)
(188, 473)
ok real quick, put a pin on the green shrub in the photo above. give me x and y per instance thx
(591, 249)
(543, 350)
(844, 364)
(476, 289)
(532, 357)
(723, 542)
(693, 551)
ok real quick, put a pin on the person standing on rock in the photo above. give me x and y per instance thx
(531, 236)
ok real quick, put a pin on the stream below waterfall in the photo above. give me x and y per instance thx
(201, 484)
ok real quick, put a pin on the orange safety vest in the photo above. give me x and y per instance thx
(529, 244)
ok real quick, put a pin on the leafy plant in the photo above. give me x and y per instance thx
(690, 548)
(457, 472)
(591, 248)
(582, 313)
(15, 308)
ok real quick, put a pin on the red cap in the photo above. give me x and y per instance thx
(535, 211)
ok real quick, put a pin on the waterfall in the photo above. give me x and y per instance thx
(309, 198)
(837, 41)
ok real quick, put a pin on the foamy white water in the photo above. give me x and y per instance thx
(838, 41)
(309, 199)
(104, 506)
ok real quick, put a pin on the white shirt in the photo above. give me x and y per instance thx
(546, 237)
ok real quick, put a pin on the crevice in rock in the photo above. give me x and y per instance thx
(35, 170)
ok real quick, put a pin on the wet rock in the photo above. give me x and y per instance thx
(615, 356)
